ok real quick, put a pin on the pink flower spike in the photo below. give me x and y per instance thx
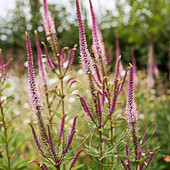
(141, 165)
(75, 158)
(118, 53)
(34, 94)
(150, 158)
(49, 25)
(85, 59)
(49, 61)
(86, 107)
(98, 46)
(9, 61)
(131, 108)
(37, 143)
(127, 150)
(71, 56)
(123, 163)
(117, 69)
(98, 74)
(42, 71)
(61, 128)
(70, 137)
(99, 109)
(150, 81)
(134, 66)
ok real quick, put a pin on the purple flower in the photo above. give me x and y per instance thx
(42, 71)
(85, 59)
(34, 94)
(37, 143)
(131, 108)
(127, 150)
(140, 150)
(75, 158)
(141, 165)
(150, 158)
(70, 137)
(150, 81)
(98, 46)
(49, 61)
(61, 128)
(103, 93)
(86, 108)
(123, 163)
(50, 30)
(41, 165)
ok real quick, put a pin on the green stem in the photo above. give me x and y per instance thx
(101, 153)
(6, 136)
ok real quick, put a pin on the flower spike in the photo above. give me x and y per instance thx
(50, 30)
(98, 46)
(131, 108)
(42, 71)
(75, 158)
(34, 94)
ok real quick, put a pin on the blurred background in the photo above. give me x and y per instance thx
(139, 25)
(143, 26)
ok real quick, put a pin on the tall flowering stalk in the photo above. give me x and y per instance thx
(99, 88)
(118, 53)
(54, 156)
(43, 76)
(50, 30)
(131, 111)
(34, 94)
(98, 46)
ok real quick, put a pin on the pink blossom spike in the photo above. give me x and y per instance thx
(75, 158)
(61, 128)
(34, 94)
(127, 150)
(70, 137)
(86, 107)
(131, 108)
(63, 56)
(42, 71)
(85, 59)
(98, 46)
(69, 80)
(134, 66)
(51, 144)
(9, 61)
(150, 81)
(141, 165)
(118, 53)
(124, 80)
(37, 143)
(123, 163)
(98, 74)
(117, 69)
(49, 61)
(49, 26)
(150, 158)
(71, 56)
(41, 165)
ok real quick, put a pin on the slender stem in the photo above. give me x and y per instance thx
(101, 154)
(6, 136)
(48, 105)
(111, 139)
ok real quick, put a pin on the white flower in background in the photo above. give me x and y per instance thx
(26, 105)
(26, 64)
(71, 99)
(75, 92)
(66, 78)
(80, 71)
(53, 81)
